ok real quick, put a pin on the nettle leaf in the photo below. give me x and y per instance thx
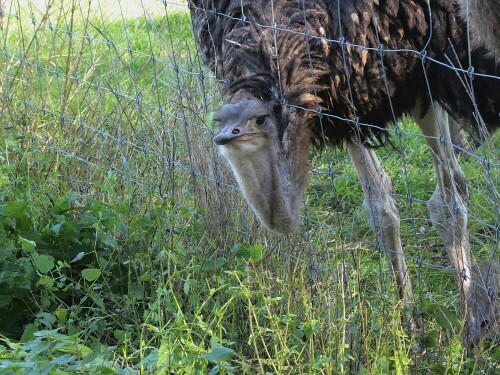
(108, 240)
(446, 318)
(213, 264)
(46, 281)
(47, 320)
(194, 299)
(4, 180)
(87, 220)
(29, 333)
(36, 346)
(150, 361)
(429, 307)
(80, 350)
(90, 274)
(27, 245)
(256, 252)
(63, 360)
(43, 263)
(218, 354)
(14, 209)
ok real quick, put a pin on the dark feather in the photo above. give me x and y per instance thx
(349, 59)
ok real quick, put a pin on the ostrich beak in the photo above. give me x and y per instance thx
(229, 133)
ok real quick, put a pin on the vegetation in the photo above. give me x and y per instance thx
(125, 248)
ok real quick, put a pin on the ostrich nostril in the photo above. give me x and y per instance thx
(235, 131)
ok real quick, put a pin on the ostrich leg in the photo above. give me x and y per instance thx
(448, 204)
(383, 215)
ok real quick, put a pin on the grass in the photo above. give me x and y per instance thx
(126, 248)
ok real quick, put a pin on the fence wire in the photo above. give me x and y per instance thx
(119, 86)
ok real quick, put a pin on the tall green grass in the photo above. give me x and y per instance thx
(126, 248)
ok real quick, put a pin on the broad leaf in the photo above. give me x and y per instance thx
(219, 354)
(256, 252)
(27, 245)
(90, 274)
(14, 209)
(43, 263)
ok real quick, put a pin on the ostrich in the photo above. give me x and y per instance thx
(487, 312)
(303, 73)
(484, 19)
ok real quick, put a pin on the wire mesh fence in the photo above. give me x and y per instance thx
(117, 89)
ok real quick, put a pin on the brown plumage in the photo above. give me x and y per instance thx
(484, 19)
(337, 69)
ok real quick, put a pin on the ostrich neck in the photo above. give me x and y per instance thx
(273, 183)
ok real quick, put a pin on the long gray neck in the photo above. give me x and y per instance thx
(273, 183)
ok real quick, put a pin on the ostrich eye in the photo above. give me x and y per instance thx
(260, 120)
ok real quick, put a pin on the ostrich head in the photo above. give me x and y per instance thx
(269, 164)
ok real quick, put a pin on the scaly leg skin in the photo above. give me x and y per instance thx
(448, 205)
(383, 216)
